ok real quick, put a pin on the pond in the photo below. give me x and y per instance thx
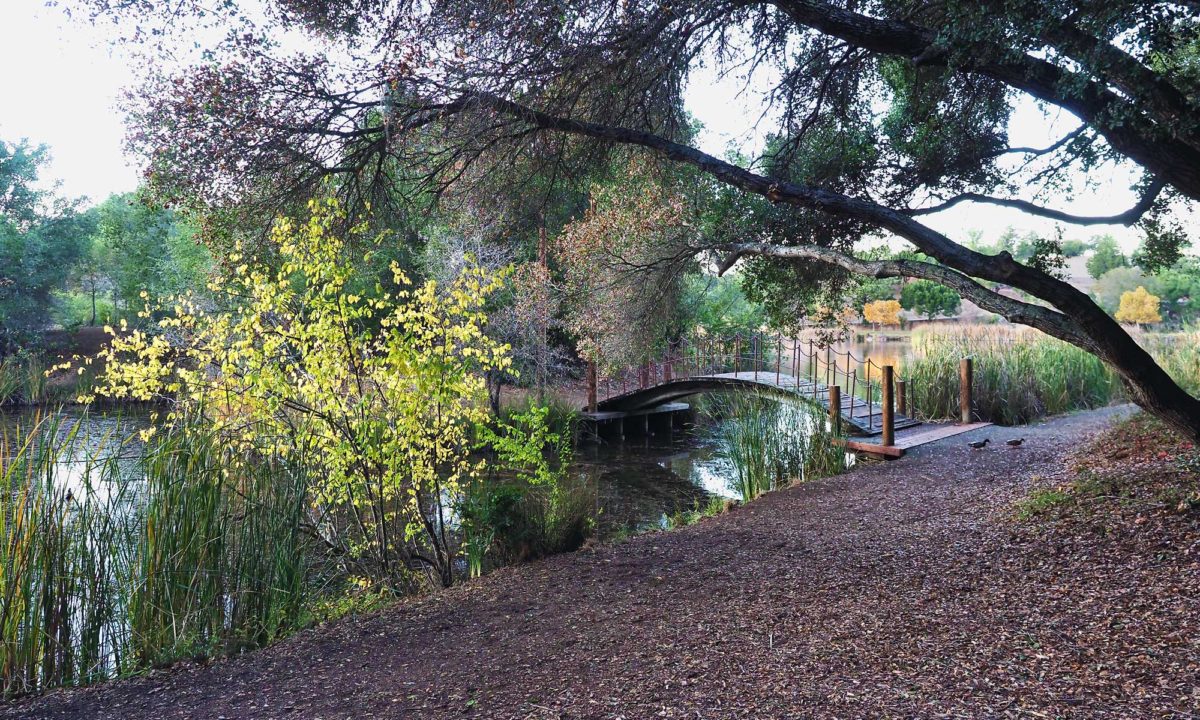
(639, 483)
(150, 570)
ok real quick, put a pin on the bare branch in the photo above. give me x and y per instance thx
(1128, 217)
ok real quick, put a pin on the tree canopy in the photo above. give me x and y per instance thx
(1139, 307)
(879, 113)
(41, 235)
(930, 299)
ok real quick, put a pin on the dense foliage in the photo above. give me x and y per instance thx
(929, 299)
(876, 114)
(41, 236)
(379, 390)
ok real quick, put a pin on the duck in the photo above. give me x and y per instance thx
(979, 444)
(1015, 442)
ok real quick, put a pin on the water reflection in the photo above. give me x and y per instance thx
(84, 441)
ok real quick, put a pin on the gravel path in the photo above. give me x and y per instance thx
(900, 589)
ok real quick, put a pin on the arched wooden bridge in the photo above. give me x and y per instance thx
(871, 400)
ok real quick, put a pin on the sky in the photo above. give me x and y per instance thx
(60, 82)
(59, 85)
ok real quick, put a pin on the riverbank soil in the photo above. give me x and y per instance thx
(929, 587)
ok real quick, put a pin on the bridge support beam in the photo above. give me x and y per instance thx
(591, 386)
(835, 409)
(965, 372)
(889, 417)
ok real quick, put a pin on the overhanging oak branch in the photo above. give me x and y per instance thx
(1043, 318)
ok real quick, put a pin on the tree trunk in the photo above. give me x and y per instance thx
(1151, 387)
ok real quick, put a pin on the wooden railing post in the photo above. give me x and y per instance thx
(756, 354)
(835, 409)
(889, 419)
(902, 397)
(591, 386)
(965, 373)
(778, 356)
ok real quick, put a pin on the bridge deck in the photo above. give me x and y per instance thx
(861, 416)
(865, 417)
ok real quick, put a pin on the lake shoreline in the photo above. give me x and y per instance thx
(789, 605)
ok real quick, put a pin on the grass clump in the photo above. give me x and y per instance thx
(1019, 374)
(771, 443)
(714, 506)
(108, 567)
(1042, 501)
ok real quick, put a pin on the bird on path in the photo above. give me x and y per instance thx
(1015, 442)
(979, 444)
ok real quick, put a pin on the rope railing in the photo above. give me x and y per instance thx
(806, 365)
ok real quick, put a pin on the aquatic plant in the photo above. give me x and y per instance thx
(773, 442)
(109, 567)
(1019, 374)
(527, 505)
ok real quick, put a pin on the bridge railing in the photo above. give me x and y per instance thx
(807, 366)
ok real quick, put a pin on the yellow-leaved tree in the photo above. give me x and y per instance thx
(1139, 307)
(882, 312)
(379, 391)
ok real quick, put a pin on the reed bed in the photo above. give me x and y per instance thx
(771, 442)
(1179, 355)
(109, 566)
(1021, 374)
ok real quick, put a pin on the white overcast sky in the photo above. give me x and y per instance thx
(60, 82)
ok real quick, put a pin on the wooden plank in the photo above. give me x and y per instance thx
(938, 433)
(887, 451)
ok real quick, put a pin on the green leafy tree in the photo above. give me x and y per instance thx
(1179, 288)
(930, 299)
(880, 114)
(1106, 256)
(717, 306)
(1075, 248)
(145, 249)
(42, 237)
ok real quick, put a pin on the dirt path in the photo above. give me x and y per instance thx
(897, 590)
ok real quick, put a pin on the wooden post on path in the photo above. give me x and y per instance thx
(902, 397)
(591, 385)
(965, 372)
(889, 417)
(835, 409)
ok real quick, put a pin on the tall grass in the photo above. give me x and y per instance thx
(771, 443)
(1179, 355)
(23, 381)
(107, 568)
(1019, 374)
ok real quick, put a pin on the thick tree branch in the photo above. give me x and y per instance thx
(1127, 130)
(1001, 268)
(1094, 330)
(1128, 217)
(1043, 318)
